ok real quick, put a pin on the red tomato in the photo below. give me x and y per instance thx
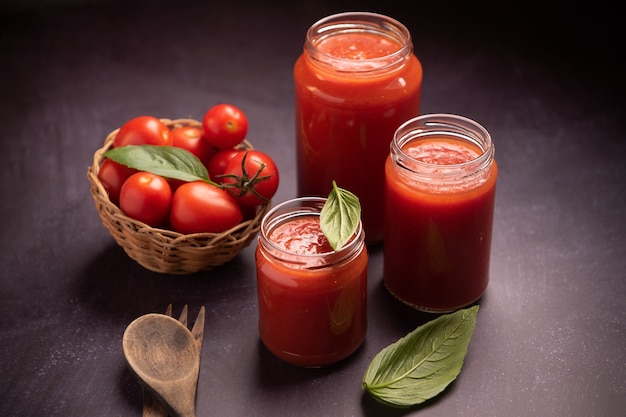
(143, 130)
(225, 126)
(252, 177)
(200, 207)
(146, 197)
(190, 138)
(112, 176)
(218, 163)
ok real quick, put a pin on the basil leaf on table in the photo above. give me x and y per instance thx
(422, 364)
(167, 161)
(340, 216)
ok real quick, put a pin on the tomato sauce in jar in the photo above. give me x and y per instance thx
(311, 299)
(439, 201)
(356, 82)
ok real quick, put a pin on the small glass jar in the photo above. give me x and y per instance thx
(356, 82)
(440, 189)
(311, 299)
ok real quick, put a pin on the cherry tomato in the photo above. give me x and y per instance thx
(200, 207)
(143, 130)
(112, 175)
(252, 177)
(218, 163)
(190, 138)
(146, 197)
(225, 126)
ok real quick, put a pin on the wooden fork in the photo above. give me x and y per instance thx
(151, 406)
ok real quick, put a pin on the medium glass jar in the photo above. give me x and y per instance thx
(440, 180)
(356, 82)
(311, 299)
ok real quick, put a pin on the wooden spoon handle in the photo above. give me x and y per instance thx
(151, 408)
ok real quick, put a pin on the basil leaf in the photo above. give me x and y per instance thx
(422, 364)
(167, 161)
(340, 216)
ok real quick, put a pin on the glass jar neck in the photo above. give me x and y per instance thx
(295, 209)
(358, 23)
(446, 126)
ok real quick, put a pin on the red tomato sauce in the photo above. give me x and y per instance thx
(301, 236)
(346, 120)
(358, 46)
(437, 245)
(310, 316)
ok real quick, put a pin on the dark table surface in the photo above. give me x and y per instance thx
(545, 79)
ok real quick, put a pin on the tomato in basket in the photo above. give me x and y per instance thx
(225, 126)
(146, 197)
(200, 207)
(112, 175)
(143, 130)
(251, 177)
(190, 138)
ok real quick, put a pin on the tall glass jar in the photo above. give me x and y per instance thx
(356, 82)
(311, 298)
(440, 189)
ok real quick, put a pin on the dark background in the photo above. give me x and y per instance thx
(545, 78)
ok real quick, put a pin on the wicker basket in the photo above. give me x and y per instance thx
(163, 250)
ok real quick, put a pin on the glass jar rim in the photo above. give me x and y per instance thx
(348, 22)
(443, 124)
(299, 207)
